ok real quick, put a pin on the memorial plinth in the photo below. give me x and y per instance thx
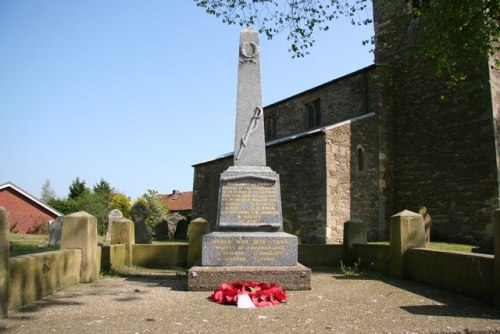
(249, 249)
(249, 243)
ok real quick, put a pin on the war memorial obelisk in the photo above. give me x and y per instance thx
(249, 243)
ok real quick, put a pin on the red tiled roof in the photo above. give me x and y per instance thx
(179, 201)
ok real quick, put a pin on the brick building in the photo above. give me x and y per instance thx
(26, 212)
(359, 148)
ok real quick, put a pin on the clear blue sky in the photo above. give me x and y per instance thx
(135, 92)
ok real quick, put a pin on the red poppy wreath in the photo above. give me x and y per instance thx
(261, 294)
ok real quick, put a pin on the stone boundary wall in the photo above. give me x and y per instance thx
(160, 256)
(466, 274)
(32, 277)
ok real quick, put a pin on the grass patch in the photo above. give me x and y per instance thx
(445, 246)
(22, 244)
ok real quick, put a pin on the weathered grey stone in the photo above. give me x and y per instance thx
(80, 231)
(249, 249)
(407, 230)
(249, 146)
(55, 230)
(113, 215)
(4, 263)
(249, 199)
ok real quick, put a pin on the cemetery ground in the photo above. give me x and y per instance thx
(147, 301)
(337, 304)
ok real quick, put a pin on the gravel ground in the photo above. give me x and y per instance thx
(336, 304)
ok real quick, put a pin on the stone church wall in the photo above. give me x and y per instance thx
(444, 148)
(352, 164)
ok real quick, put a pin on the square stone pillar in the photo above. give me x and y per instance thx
(4, 263)
(122, 232)
(354, 233)
(407, 231)
(197, 229)
(80, 231)
(496, 280)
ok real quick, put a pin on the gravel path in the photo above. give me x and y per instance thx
(336, 304)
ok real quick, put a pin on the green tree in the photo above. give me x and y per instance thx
(77, 188)
(47, 192)
(122, 203)
(65, 206)
(158, 209)
(97, 206)
(104, 188)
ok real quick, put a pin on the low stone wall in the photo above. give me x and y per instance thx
(467, 274)
(35, 276)
(320, 255)
(160, 256)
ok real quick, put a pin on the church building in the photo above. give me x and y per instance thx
(377, 141)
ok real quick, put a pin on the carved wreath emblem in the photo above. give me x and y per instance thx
(248, 52)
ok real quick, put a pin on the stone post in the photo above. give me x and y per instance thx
(122, 232)
(80, 231)
(197, 229)
(354, 233)
(407, 231)
(4, 263)
(496, 276)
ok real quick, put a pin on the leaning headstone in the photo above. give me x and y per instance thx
(113, 215)
(249, 227)
(407, 230)
(427, 222)
(55, 232)
(80, 231)
(4, 263)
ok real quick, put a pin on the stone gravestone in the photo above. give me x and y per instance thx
(143, 233)
(55, 232)
(181, 230)
(249, 242)
(113, 215)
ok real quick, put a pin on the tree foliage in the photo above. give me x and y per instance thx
(103, 188)
(450, 30)
(455, 34)
(77, 188)
(158, 209)
(298, 18)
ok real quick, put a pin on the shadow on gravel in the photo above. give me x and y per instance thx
(172, 282)
(445, 303)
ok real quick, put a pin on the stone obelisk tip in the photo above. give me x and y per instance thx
(249, 148)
